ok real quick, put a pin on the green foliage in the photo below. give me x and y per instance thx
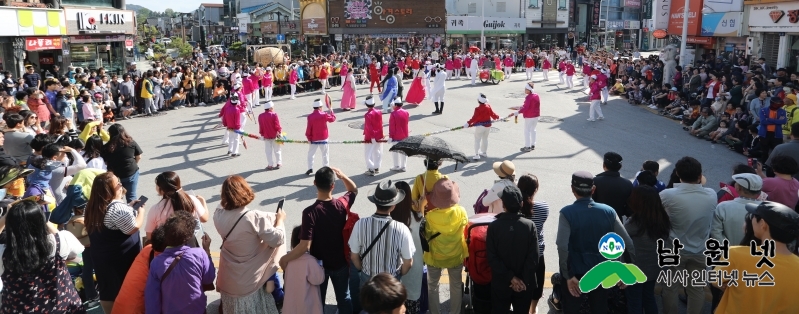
(236, 46)
(158, 49)
(183, 48)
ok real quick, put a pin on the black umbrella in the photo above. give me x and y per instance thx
(430, 147)
(402, 50)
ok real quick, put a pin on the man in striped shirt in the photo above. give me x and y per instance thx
(378, 243)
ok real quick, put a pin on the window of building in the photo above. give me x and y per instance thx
(94, 3)
(472, 8)
(532, 3)
(562, 5)
(500, 7)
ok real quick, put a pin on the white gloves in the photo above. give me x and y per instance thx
(374, 141)
(466, 125)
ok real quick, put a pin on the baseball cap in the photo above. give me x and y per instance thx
(749, 181)
(776, 215)
(582, 180)
(512, 197)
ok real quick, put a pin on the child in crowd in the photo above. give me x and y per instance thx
(383, 294)
(654, 168)
(303, 277)
(715, 136)
(752, 149)
(220, 94)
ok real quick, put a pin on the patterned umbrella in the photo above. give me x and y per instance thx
(430, 147)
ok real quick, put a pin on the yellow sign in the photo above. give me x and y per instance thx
(32, 22)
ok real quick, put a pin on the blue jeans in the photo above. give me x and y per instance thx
(340, 279)
(355, 288)
(130, 184)
(641, 298)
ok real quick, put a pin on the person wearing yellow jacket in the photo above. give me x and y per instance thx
(444, 233)
(792, 110)
(92, 128)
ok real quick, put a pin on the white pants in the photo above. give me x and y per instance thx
(400, 160)
(529, 72)
(233, 140)
(439, 96)
(468, 72)
(585, 79)
(473, 74)
(272, 149)
(250, 102)
(595, 108)
(426, 82)
(560, 75)
(481, 139)
(293, 89)
(225, 137)
(325, 154)
(324, 85)
(458, 73)
(529, 131)
(605, 94)
(455, 284)
(268, 92)
(508, 71)
(256, 98)
(374, 155)
(546, 74)
(449, 74)
(387, 104)
(569, 81)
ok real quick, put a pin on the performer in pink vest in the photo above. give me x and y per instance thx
(398, 131)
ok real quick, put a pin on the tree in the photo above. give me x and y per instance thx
(169, 12)
(183, 48)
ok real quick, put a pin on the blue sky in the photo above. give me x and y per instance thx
(177, 6)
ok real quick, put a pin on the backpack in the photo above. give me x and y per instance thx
(352, 218)
(478, 206)
(423, 240)
(477, 262)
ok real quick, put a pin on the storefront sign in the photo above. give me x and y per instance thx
(748, 2)
(724, 6)
(722, 24)
(777, 17)
(661, 12)
(128, 43)
(314, 27)
(660, 34)
(595, 13)
(632, 3)
(46, 60)
(42, 43)
(614, 25)
(32, 22)
(268, 28)
(399, 14)
(489, 25)
(632, 24)
(244, 20)
(694, 17)
(700, 40)
(96, 21)
(646, 9)
(87, 39)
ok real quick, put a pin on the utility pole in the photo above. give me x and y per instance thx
(183, 26)
(683, 53)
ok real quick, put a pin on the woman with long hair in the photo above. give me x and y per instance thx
(31, 122)
(181, 274)
(63, 129)
(648, 223)
(250, 250)
(538, 212)
(174, 199)
(412, 281)
(33, 268)
(122, 155)
(113, 228)
(418, 91)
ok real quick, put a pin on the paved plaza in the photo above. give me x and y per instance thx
(183, 141)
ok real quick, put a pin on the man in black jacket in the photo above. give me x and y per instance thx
(512, 248)
(611, 188)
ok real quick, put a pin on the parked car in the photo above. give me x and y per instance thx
(166, 41)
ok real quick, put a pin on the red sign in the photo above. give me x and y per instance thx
(694, 17)
(42, 43)
(46, 60)
(128, 43)
(659, 34)
(700, 40)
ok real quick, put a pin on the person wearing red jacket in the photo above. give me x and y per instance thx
(545, 66)
(232, 118)
(562, 70)
(372, 133)
(530, 111)
(508, 65)
(457, 64)
(569, 74)
(269, 128)
(316, 133)
(595, 97)
(374, 78)
(481, 121)
(398, 131)
(529, 66)
(323, 74)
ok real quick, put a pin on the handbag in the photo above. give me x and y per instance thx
(231, 228)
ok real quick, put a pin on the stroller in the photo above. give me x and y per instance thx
(478, 278)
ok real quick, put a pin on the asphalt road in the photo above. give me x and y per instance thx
(183, 141)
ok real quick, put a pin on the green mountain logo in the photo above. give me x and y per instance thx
(609, 273)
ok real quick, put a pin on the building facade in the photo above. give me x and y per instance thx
(774, 28)
(547, 22)
(501, 22)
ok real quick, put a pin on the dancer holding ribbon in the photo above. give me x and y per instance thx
(232, 120)
(398, 131)
(481, 121)
(269, 127)
(530, 111)
(316, 132)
